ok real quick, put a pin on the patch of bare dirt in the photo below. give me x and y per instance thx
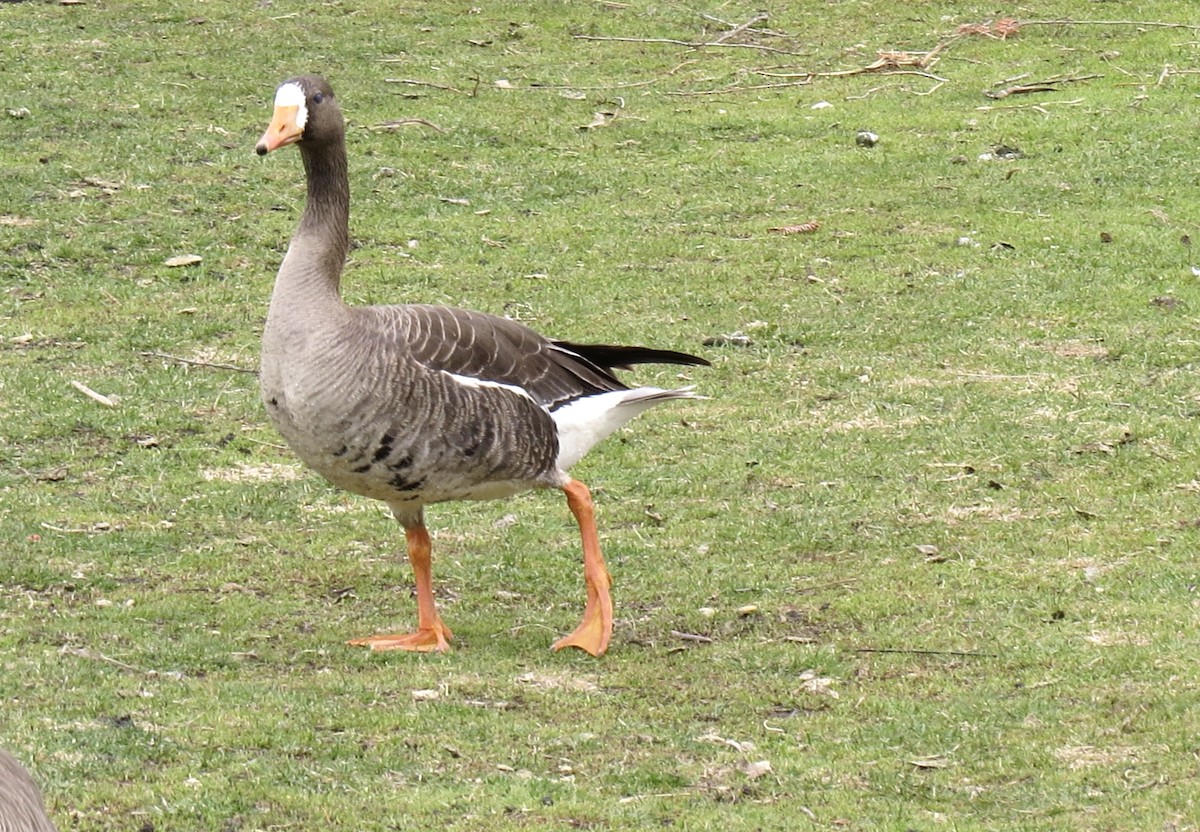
(261, 472)
(1089, 756)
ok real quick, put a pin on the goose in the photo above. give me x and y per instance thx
(418, 404)
(21, 806)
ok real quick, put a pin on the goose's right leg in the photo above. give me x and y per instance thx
(431, 634)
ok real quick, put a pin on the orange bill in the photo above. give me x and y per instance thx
(282, 131)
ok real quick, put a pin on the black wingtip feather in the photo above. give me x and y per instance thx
(613, 357)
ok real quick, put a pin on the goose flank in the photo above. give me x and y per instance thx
(21, 806)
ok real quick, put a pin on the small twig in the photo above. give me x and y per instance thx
(1049, 85)
(1014, 79)
(887, 63)
(402, 122)
(194, 363)
(742, 27)
(276, 445)
(865, 95)
(92, 394)
(768, 32)
(1019, 90)
(600, 88)
(925, 652)
(100, 529)
(1168, 71)
(1146, 23)
(85, 653)
(635, 797)
(412, 82)
(690, 44)
(830, 585)
(739, 88)
(1039, 107)
(696, 637)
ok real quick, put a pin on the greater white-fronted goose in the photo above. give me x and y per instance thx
(418, 404)
(21, 806)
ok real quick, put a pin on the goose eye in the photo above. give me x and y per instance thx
(318, 98)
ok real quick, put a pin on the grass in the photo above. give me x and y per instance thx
(938, 519)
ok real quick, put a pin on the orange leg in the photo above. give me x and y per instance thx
(593, 633)
(432, 634)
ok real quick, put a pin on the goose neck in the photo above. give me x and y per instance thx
(327, 209)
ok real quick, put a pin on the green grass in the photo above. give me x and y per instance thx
(965, 430)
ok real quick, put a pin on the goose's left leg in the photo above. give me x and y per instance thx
(594, 631)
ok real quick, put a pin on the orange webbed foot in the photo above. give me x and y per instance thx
(435, 639)
(595, 630)
(591, 636)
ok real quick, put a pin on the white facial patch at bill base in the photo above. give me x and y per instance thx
(292, 95)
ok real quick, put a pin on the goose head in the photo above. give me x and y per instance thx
(305, 112)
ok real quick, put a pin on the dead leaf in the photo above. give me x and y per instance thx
(756, 769)
(1108, 446)
(820, 685)
(802, 228)
(733, 339)
(598, 120)
(182, 260)
(936, 761)
(932, 553)
(53, 474)
(1000, 29)
(427, 695)
(103, 184)
(739, 746)
(558, 681)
